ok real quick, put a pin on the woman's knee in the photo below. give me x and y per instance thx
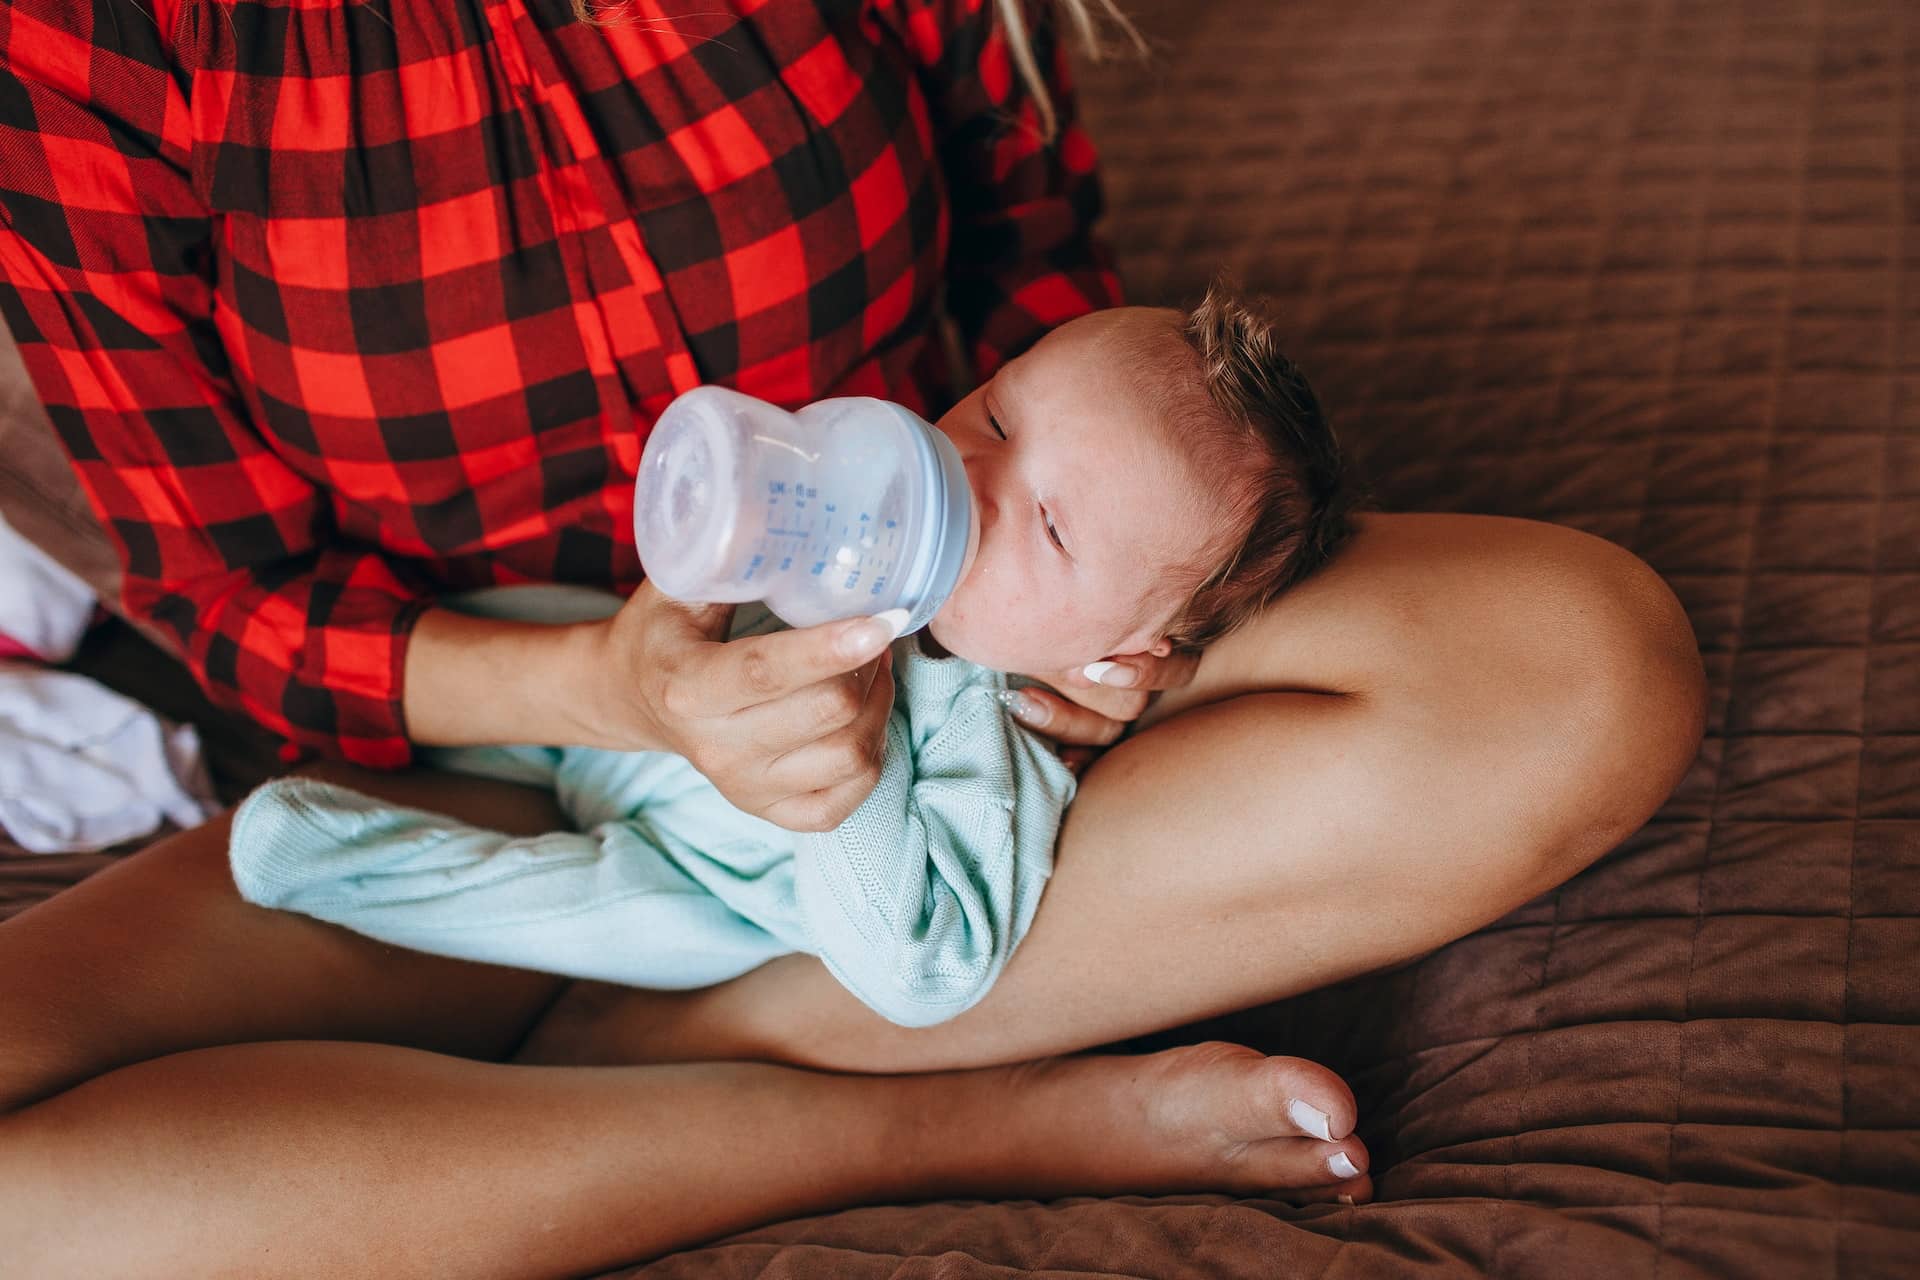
(1555, 666)
(1652, 685)
(1632, 711)
(159, 954)
(1579, 636)
(61, 1021)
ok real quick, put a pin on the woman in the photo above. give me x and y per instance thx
(340, 307)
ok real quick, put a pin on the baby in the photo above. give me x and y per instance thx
(1142, 476)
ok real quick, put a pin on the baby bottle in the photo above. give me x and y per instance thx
(848, 507)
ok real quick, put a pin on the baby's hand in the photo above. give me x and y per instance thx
(1093, 704)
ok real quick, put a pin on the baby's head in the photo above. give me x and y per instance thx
(1142, 475)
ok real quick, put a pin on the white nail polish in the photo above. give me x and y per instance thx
(1341, 1167)
(1097, 671)
(1310, 1120)
(895, 618)
(1347, 1200)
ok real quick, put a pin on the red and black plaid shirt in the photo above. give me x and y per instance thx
(340, 305)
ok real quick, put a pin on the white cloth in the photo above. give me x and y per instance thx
(83, 768)
(43, 607)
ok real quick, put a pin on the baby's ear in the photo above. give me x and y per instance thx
(1161, 647)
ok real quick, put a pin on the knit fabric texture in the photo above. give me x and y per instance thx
(915, 903)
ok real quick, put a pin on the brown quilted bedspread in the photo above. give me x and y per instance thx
(1648, 268)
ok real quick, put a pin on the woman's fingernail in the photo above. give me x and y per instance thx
(1111, 674)
(1347, 1200)
(1026, 710)
(872, 633)
(1341, 1167)
(1311, 1120)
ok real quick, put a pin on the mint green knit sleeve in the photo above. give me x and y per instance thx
(918, 900)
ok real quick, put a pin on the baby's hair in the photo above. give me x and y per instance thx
(1297, 492)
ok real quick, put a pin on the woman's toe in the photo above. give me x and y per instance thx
(1306, 1164)
(1260, 1123)
(1298, 1098)
(1347, 1160)
(1252, 1097)
(1355, 1191)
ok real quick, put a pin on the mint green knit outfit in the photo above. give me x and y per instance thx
(915, 903)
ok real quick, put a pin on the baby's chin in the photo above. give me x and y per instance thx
(945, 640)
(985, 644)
(957, 638)
(987, 629)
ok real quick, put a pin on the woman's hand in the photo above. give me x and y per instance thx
(789, 727)
(1088, 708)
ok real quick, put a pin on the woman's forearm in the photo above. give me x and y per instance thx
(658, 675)
(474, 681)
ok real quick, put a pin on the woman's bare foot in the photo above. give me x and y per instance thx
(1211, 1117)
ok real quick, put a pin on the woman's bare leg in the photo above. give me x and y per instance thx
(1458, 714)
(159, 953)
(180, 1095)
(333, 1159)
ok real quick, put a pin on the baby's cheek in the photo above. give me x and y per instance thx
(995, 627)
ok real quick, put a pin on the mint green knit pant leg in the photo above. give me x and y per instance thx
(625, 902)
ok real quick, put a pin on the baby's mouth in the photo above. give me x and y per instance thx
(929, 643)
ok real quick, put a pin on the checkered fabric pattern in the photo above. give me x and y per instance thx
(337, 304)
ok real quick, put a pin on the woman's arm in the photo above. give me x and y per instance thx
(466, 684)
(106, 280)
(787, 726)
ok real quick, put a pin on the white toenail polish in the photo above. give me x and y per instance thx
(1341, 1166)
(1311, 1120)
